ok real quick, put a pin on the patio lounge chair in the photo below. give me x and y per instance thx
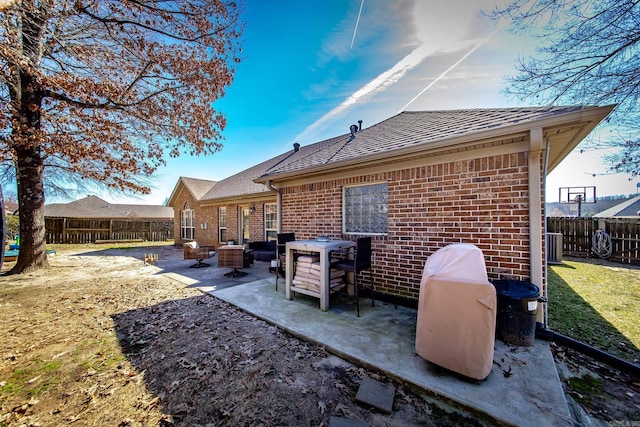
(192, 250)
(234, 257)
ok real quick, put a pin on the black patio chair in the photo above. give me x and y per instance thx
(281, 255)
(356, 261)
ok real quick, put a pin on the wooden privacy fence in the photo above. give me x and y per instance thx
(577, 235)
(78, 230)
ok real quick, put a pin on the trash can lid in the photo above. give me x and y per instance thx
(516, 289)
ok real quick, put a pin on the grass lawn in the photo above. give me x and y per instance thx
(597, 303)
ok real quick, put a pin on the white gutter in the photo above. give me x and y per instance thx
(535, 208)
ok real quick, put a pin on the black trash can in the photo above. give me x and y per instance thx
(517, 311)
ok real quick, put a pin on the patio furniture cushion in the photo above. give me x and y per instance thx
(192, 250)
(192, 245)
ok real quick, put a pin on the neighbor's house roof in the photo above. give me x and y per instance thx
(629, 208)
(433, 133)
(95, 207)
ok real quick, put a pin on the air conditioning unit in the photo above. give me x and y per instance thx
(554, 248)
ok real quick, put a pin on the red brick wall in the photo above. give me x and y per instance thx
(209, 214)
(312, 210)
(256, 220)
(206, 236)
(482, 201)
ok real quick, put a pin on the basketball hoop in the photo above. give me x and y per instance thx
(577, 196)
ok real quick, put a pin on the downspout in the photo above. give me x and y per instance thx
(535, 209)
(276, 190)
(546, 249)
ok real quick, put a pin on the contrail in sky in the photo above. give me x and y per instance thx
(383, 81)
(357, 21)
(387, 79)
(448, 70)
(440, 77)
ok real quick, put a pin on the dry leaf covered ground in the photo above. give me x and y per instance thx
(94, 340)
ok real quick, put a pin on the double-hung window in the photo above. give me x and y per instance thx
(271, 221)
(365, 209)
(187, 223)
(222, 224)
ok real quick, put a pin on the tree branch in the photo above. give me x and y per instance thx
(117, 21)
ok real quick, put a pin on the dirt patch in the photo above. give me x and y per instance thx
(99, 339)
(601, 391)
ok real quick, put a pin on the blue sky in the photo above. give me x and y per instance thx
(307, 74)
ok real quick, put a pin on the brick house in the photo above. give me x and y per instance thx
(236, 208)
(184, 200)
(417, 182)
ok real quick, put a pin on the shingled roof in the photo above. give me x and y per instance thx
(242, 184)
(236, 186)
(628, 208)
(408, 133)
(198, 187)
(411, 132)
(95, 207)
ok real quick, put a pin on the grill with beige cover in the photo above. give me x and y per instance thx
(457, 311)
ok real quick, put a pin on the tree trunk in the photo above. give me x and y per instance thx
(33, 245)
(30, 178)
(2, 228)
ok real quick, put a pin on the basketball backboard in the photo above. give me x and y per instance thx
(577, 195)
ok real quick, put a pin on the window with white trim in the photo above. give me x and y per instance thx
(187, 223)
(222, 224)
(365, 209)
(271, 221)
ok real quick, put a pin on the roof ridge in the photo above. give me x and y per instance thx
(479, 109)
(308, 151)
(340, 149)
(417, 128)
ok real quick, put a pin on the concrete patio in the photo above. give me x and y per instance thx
(522, 389)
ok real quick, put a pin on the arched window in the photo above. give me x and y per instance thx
(187, 223)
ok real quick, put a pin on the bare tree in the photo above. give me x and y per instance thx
(588, 53)
(102, 91)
